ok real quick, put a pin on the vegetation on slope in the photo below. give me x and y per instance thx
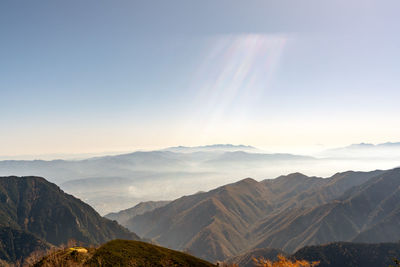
(17, 245)
(121, 253)
(246, 259)
(344, 254)
(284, 262)
(37, 212)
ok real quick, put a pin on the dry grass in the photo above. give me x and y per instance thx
(283, 262)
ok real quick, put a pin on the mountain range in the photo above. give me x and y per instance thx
(285, 213)
(213, 148)
(365, 150)
(117, 182)
(294, 215)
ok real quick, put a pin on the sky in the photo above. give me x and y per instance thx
(97, 76)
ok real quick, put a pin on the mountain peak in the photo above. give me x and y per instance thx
(247, 180)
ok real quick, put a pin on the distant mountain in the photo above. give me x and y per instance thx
(241, 157)
(117, 182)
(345, 254)
(366, 145)
(287, 213)
(122, 253)
(365, 150)
(212, 148)
(125, 215)
(112, 183)
(33, 206)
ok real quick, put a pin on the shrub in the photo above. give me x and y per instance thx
(283, 262)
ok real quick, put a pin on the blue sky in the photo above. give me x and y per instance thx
(93, 76)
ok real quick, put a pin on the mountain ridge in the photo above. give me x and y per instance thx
(251, 214)
(33, 206)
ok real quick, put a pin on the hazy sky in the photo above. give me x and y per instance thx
(93, 75)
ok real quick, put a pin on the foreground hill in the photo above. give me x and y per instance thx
(122, 253)
(287, 213)
(31, 206)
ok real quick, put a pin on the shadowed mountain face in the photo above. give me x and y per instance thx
(345, 254)
(287, 213)
(365, 213)
(17, 245)
(33, 206)
(339, 254)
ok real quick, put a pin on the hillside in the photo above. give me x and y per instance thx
(351, 254)
(124, 216)
(33, 206)
(365, 213)
(210, 224)
(17, 245)
(122, 253)
(287, 213)
(339, 254)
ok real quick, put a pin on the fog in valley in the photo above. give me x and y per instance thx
(113, 183)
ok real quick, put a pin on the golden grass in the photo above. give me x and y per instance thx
(283, 262)
(79, 249)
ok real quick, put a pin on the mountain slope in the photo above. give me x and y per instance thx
(286, 213)
(357, 215)
(343, 254)
(33, 205)
(209, 225)
(124, 216)
(123, 253)
(339, 254)
(17, 245)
